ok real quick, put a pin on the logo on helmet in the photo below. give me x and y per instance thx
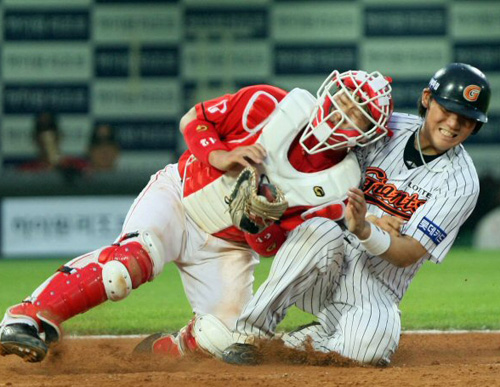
(471, 93)
(433, 84)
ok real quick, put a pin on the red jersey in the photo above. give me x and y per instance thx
(230, 114)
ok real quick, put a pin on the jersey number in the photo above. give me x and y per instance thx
(221, 107)
(207, 141)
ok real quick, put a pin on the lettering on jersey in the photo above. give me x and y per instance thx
(471, 93)
(432, 230)
(419, 190)
(387, 197)
(319, 191)
(221, 107)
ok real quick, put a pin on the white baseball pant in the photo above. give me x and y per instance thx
(319, 272)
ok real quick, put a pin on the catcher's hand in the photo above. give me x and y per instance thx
(253, 206)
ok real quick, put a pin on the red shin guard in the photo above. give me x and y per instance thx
(76, 290)
(69, 292)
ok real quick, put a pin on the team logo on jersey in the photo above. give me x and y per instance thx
(387, 197)
(319, 191)
(271, 248)
(432, 230)
(202, 128)
(471, 93)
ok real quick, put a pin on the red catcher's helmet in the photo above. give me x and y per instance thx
(369, 92)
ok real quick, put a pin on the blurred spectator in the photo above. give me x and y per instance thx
(47, 136)
(104, 149)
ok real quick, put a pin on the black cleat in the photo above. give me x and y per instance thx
(22, 340)
(242, 354)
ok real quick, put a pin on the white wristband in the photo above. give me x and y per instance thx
(378, 242)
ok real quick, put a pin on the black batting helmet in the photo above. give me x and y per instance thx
(462, 89)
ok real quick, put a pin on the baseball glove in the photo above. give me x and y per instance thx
(254, 206)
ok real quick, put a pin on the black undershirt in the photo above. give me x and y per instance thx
(411, 155)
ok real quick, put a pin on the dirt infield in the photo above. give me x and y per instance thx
(471, 359)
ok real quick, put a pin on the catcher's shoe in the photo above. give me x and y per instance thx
(242, 354)
(161, 344)
(22, 340)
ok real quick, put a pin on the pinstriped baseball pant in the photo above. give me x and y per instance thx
(320, 273)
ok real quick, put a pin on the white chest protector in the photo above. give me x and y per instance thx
(207, 207)
(302, 189)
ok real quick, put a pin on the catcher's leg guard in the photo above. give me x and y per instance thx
(73, 290)
(136, 259)
(161, 344)
(67, 293)
(205, 334)
(173, 345)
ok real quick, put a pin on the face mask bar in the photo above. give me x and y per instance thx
(370, 93)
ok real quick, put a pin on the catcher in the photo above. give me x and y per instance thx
(210, 218)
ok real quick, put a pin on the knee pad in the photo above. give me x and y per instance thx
(153, 246)
(204, 333)
(116, 280)
(211, 335)
(136, 259)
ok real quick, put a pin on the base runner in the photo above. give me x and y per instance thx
(300, 142)
(419, 188)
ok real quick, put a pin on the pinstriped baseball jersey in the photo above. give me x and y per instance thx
(357, 310)
(434, 203)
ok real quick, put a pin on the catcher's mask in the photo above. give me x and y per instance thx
(334, 128)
